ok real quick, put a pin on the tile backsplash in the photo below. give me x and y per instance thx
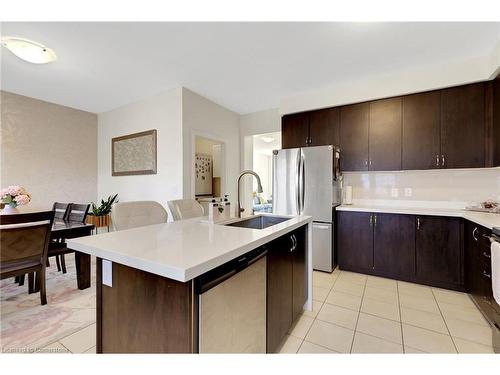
(462, 186)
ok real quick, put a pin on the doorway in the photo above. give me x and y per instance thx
(208, 170)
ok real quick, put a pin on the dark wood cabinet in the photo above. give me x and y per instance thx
(295, 130)
(494, 134)
(355, 241)
(439, 251)
(385, 135)
(286, 284)
(354, 129)
(421, 131)
(463, 126)
(394, 245)
(324, 127)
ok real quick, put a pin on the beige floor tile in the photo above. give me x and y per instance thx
(82, 340)
(423, 319)
(331, 336)
(452, 297)
(419, 303)
(383, 295)
(415, 289)
(385, 329)
(349, 287)
(323, 279)
(382, 283)
(338, 315)
(316, 307)
(354, 278)
(54, 348)
(472, 315)
(369, 344)
(319, 294)
(427, 341)
(469, 331)
(465, 347)
(301, 326)
(381, 309)
(91, 350)
(290, 345)
(409, 350)
(342, 299)
(310, 348)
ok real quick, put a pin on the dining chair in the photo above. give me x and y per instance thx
(61, 210)
(24, 240)
(185, 208)
(76, 213)
(126, 215)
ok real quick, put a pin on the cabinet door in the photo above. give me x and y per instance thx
(394, 245)
(385, 135)
(324, 127)
(299, 282)
(439, 251)
(421, 130)
(279, 292)
(355, 241)
(463, 126)
(495, 136)
(354, 124)
(295, 130)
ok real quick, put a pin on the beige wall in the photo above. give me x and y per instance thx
(49, 149)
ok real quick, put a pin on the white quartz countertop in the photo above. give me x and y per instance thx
(485, 219)
(181, 250)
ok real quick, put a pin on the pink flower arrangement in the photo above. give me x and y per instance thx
(15, 196)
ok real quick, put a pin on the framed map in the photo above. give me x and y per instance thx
(134, 154)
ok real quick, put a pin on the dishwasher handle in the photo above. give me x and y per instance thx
(220, 274)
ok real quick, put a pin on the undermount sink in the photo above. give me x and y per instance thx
(259, 222)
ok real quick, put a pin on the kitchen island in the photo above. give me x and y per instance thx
(150, 281)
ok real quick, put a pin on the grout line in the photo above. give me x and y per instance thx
(401, 319)
(444, 320)
(359, 313)
(59, 342)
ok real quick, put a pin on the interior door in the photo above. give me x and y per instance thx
(317, 184)
(295, 130)
(286, 181)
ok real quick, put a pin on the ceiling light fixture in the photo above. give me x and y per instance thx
(267, 139)
(29, 50)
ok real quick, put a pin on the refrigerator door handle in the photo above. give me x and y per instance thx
(297, 182)
(303, 183)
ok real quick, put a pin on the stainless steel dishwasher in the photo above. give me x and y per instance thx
(232, 306)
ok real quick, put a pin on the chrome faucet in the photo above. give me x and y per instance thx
(259, 188)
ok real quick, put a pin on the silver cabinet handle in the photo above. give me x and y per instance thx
(474, 231)
(418, 223)
(486, 274)
(375, 220)
(294, 242)
(442, 160)
(366, 161)
(437, 160)
(371, 219)
(486, 255)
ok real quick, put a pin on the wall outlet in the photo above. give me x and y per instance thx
(394, 192)
(408, 192)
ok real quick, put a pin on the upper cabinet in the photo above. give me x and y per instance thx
(295, 130)
(463, 127)
(354, 128)
(421, 131)
(458, 127)
(385, 135)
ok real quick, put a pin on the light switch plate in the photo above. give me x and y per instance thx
(107, 272)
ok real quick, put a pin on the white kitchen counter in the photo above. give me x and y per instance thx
(182, 250)
(482, 218)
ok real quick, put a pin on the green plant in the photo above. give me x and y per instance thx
(105, 207)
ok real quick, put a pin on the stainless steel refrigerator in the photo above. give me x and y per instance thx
(307, 181)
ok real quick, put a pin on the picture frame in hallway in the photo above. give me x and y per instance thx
(134, 154)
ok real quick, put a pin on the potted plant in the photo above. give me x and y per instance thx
(99, 216)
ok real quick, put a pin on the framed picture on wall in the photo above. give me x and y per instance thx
(134, 154)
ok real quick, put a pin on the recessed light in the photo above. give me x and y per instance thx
(29, 50)
(267, 139)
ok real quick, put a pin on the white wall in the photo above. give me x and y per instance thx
(202, 117)
(262, 164)
(49, 149)
(162, 112)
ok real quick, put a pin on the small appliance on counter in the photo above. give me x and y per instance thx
(347, 195)
(489, 206)
(306, 181)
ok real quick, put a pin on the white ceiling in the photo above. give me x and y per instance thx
(245, 67)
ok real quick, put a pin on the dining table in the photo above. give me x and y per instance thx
(62, 230)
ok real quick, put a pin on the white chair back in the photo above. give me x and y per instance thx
(185, 208)
(126, 215)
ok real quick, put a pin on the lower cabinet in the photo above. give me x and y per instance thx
(286, 284)
(422, 249)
